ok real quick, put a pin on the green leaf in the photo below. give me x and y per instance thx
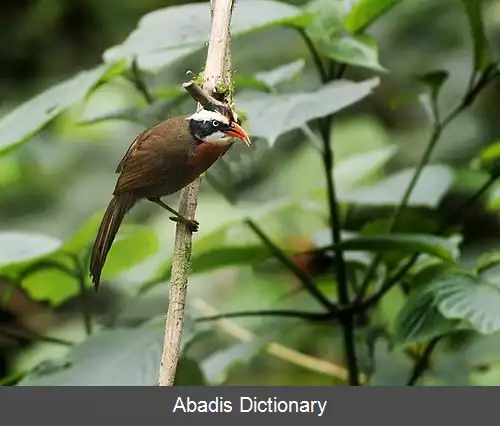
(272, 115)
(489, 158)
(189, 373)
(434, 182)
(355, 168)
(392, 368)
(219, 366)
(420, 320)
(117, 357)
(470, 298)
(167, 35)
(133, 245)
(435, 81)
(487, 261)
(360, 50)
(365, 12)
(330, 38)
(482, 51)
(23, 122)
(18, 248)
(84, 236)
(50, 285)
(281, 74)
(482, 349)
(407, 243)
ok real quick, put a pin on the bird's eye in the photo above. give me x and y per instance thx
(215, 123)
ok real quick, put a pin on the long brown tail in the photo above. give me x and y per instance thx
(117, 208)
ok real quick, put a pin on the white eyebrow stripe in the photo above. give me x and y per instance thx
(205, 115)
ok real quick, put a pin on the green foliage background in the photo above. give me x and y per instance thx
(414, 107)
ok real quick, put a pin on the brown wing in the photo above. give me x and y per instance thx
(152, 158)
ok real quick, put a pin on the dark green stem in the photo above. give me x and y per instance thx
(309, 316)
(423, 362)
(315, 56)
(139, 83)
(346, 316)
(86, 308)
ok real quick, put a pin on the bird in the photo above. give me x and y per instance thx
(161, 161)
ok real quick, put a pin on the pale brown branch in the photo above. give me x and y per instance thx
(217, 71)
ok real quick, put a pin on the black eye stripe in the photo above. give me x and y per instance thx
(203, 129)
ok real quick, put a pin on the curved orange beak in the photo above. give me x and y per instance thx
(237, 131)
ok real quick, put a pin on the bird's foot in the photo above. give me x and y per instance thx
(192, 224)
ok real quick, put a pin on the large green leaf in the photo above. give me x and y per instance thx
(489, 158)
(360, 50)
(433, 183)
(365, 12)
(488, 261)
(281, 74)
(355, 168)
(469, 298)
(189, 373)
(219, 365)
(329, 36)
(272, 115)
(420, 320)
(133, 245)
(24, 121)
(83, 236)
(50, 285)
(442, 248)
(169, 34)
(17, 248)
(482, 51)
(118, 357)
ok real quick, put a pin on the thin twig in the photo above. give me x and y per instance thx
(309, 316)
(217, 70)
(275, 349)
(139, 83)
(423, 362)
(347, 316)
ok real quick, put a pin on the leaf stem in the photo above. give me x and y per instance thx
(346, 316)
(140, 84)
(423, 362)
(309, 316)
(85, 305)
(315, 56)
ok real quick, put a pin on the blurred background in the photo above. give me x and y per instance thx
(65, 175)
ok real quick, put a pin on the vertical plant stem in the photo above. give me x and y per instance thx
(86, 308)
(346, 317)
(423, 362)
(217, 70)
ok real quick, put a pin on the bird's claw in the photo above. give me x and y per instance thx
(192, 224)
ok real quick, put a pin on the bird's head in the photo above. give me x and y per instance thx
(217, 125)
